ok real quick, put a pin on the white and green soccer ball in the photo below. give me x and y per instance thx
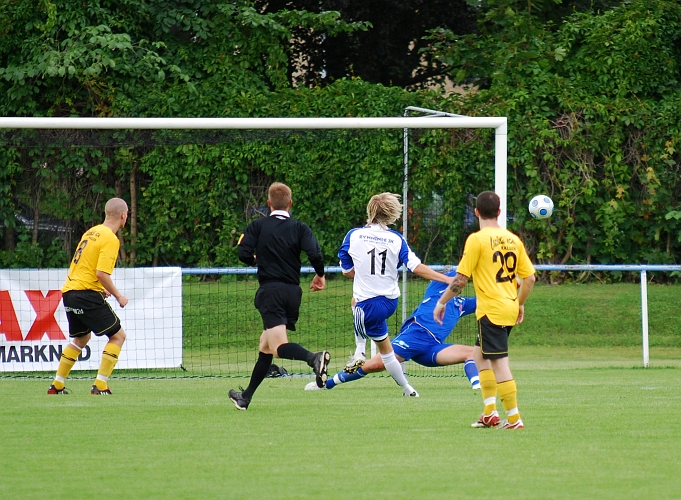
(541, 207)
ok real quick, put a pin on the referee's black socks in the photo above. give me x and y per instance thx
(296, 352)
(260, 371)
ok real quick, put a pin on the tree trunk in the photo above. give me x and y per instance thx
(10, 239)
(36, 214)
(122, 254)
(133, 214)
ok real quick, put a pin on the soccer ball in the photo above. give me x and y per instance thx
(541, 207)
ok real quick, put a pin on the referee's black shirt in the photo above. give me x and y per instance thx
(275, 244)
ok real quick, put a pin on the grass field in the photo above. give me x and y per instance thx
(597, 426)
(221, 326)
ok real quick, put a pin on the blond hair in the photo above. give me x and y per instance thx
(279, 195)
(384, 209)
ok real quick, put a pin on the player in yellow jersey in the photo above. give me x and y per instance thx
(494, 258)
(87, 285)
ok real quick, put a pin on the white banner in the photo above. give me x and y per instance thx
(34, 329)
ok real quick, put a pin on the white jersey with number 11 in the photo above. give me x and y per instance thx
(375, 253)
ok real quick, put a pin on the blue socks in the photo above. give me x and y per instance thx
(342, 377)
(471, 372)
(469, 369)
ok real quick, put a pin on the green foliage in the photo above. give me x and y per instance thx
(593, 111)
(593, 107)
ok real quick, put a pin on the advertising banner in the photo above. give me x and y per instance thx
(34, 329)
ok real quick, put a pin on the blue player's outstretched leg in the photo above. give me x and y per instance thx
(339, 378)
(343, 377)
(471, 372)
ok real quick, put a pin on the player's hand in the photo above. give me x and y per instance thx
(318, 283)
(521, 315)
(439, 312)
(122, 300)
(106, 294)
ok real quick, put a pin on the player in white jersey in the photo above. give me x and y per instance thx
(371, 256)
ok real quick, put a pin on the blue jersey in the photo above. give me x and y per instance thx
(456, 308)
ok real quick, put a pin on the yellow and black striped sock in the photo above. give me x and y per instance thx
(106, 367)
(68, 358)
(488, 387)
(509, 398)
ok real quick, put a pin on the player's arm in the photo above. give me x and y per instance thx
(523, 293)
(311, 247)
(413, 263)
(430, 274)
(346, 263)
(526, 272)
(454, 289)
(246, 246)
(108, 284)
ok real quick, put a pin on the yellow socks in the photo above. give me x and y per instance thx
(488, 386)
(509, 398)
(68, 358)
(106, 367)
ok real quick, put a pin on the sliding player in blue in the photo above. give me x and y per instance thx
(422, 340)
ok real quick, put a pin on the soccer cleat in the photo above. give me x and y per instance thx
(507, 425)
(409, 391)
(321, 362)
(476, 387)
(485, 421)
(355, 362)
(54, 390)
(97, 392)
(238, 399)
(312, 386)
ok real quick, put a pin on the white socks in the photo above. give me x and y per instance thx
(361, 344)
(394, 368)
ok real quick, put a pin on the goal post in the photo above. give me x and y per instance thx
(440, 120)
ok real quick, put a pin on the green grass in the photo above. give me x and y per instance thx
(221, 326)
(597, 315)
(597, 427)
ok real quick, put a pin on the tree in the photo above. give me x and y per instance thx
(593, 120)
(127, 58)
(388, 52)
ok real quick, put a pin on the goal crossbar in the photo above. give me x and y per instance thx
(253, 123)
(499, 124)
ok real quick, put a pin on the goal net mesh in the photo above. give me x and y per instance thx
(220, 325)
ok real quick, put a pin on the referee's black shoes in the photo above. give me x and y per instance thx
(321, 362)
(238, 399)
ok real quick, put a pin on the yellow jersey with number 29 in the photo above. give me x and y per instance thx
(493, 258)
(97, 251)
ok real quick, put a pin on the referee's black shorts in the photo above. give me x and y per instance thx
(492, 339)
(279, 304)
(88, 311)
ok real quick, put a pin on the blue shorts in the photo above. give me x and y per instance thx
(371, 317)
(416, 343)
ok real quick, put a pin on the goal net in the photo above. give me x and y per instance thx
(219, 325)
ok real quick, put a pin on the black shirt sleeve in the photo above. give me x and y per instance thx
(310, 245)
(247, 245)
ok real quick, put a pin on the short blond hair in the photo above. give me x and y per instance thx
(279, 195)
(384, 209)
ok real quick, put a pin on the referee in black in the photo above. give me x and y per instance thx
(274, 244)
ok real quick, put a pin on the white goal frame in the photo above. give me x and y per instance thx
(499, 124)
(433, 120)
